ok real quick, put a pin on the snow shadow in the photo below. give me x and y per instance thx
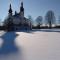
(25, 31)
(40, 30)
(46, 30)
(8, 45)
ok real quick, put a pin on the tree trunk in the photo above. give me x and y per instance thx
(50, 26)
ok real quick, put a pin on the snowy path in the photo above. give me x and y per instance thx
(36, 46)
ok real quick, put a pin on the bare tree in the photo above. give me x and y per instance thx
(30, 18)
(59, 20)
(39, 20)
(31, 21)
(0, 22)
(50, 18)
(8, 23)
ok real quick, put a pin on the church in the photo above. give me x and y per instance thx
(17, 21)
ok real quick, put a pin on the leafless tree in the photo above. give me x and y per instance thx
(39, 20)
(50, 18)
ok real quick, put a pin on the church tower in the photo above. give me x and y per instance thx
(10, 10)
(21, 10)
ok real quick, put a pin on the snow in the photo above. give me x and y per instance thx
(41, 44)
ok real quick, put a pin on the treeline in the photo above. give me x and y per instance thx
(49, 21)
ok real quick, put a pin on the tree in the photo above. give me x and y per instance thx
(30, 18)
(58, 20)
(31, 21)
(39, 20)
(0, 22)
(50, 18)
(8, 23)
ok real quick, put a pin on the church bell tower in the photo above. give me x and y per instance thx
(10, 10)
(21, 10)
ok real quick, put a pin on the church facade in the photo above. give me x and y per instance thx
(17, 21)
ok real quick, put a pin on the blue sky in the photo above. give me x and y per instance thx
(32, 7)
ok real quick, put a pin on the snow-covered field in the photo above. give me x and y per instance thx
(35, 45)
